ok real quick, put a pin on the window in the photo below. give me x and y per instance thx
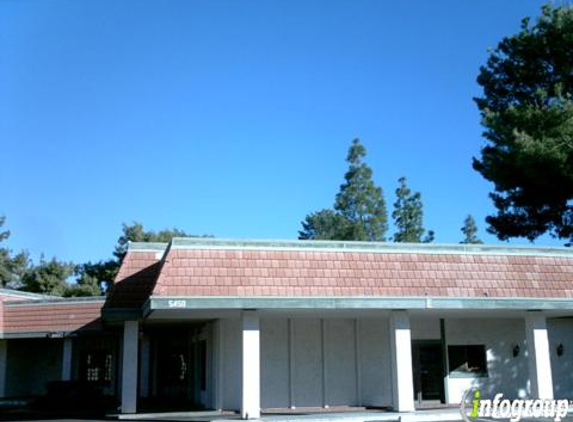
(467, 361)
(98, 366)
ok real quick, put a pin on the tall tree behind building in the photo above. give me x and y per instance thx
(12, 266)
(527, 112)
(359, 210)
(408, 216)
(470, 229)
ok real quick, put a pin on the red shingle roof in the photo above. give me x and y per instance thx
(51, 316)
(134, 281)
(256, 272)
(218, 269)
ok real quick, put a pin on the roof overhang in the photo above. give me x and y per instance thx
(383, 303)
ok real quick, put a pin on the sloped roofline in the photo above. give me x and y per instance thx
(25, 295)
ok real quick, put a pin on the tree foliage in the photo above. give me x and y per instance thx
(136, 233)
(93, 279)
(54, 277)
(325, 224)
(103, 273)
(470, 229)
(48, 277)
(527, 112)
(359, 210)
(12, 266)
(408, 216)
(360, 202)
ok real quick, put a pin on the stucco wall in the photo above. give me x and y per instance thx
(274, 363)
(376, 370)
(231, 363)
(561, 332)
(307, 362)
(353, 368)
(425, 328)
(506, 374)
(357, 363)
(341, 363)
(31, 364)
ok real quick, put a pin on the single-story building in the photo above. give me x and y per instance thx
(251, 325)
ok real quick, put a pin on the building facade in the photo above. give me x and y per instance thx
(251, 325)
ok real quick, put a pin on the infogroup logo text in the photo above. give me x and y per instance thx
(473, 406)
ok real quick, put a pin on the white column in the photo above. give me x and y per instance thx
(3, 362)
(251, 393)
(129, 368)
(401, 350)
(67, 359)
(539, 360)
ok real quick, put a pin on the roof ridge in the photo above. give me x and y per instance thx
(370, 247)
(146, 246)
(26, 295)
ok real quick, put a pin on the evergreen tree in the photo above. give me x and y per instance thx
(408, 216)
(359, 209)
(469, 230)
(360, 202)
(527, 112)
(12, 266)
(85, 285)
(104, 271)
(136, 233)
(323, 225)
(93, 279)
(48, 277)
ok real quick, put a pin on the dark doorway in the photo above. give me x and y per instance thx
(173, 361)
(178, 368)
(428, 368)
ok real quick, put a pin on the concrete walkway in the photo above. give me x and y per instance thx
(431, 415)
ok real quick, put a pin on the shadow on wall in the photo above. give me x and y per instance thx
(506, 353)
(508, 371)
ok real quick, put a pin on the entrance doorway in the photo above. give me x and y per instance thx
(428, 369)
(179, 368)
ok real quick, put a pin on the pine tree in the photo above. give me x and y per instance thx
(408, 216)
(360, 202)
(469, 230)
(323, 225)
(48, 277)
(12, 266)
(359, 210)
(527, 112)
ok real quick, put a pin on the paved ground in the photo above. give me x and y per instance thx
(433, 415)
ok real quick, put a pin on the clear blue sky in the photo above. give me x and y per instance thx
(233, 118)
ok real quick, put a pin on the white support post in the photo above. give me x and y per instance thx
(401, 350)
(67, 359)
(3, 362)
(129, 369)
(251, 392)
(539, 360)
